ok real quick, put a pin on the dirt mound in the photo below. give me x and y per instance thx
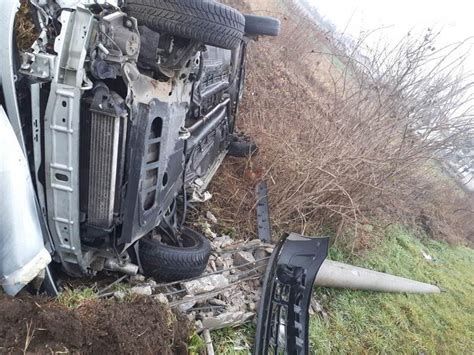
(143, 326)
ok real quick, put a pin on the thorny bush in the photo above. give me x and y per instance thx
(350, 137)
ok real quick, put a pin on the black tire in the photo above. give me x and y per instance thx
(170, 263)
(261, 26)
(202, 20)
(242, 149)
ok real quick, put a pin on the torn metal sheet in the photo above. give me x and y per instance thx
(283, 315)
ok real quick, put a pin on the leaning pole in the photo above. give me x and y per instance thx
(339, 275)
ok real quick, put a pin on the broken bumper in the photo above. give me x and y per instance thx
(282, 326)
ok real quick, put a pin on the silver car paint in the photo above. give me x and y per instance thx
(22, 252)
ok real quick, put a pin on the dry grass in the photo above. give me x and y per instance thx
(26, 32)
(340, 142)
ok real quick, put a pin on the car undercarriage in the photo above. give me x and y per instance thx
(124, 112)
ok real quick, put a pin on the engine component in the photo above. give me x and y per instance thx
(126, 268)
(117, 41)
(119, 35)
(282, 325)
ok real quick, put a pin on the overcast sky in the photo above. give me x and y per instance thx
(454, 18)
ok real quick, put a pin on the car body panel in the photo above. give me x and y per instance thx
(22, 252)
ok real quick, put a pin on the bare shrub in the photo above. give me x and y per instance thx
(347, 134)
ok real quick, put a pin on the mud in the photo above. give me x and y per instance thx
(33, 325)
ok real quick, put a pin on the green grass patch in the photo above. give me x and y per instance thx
(196, 345)
(369, 322)
(74, 298)
(234, 341)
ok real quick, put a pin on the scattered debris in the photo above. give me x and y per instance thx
(206, 284)
(226, 320)
(260, 253)
(119, 295)
(222, 242)
(208, 341)
(217, 302)
(184, 307)
(206, 228)
(161, 298)
(316, 308)
(211, 217)
(141, 290)
(227, 295)
(243, 257)
(200, 197)
(427, 256)
(137, 278)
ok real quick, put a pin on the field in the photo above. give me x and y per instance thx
(363, 322)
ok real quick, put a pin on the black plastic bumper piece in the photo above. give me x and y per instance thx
(263, 215)
(283, 319)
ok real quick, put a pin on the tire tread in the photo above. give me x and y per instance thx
(204, 20)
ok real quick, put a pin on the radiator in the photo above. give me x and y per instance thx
(104, 152)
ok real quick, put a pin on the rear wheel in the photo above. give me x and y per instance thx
(205, 21)
(164, 260)
(261, 26)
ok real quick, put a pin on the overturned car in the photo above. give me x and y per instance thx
(112, 122)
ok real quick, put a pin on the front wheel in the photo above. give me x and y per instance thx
(163, 260)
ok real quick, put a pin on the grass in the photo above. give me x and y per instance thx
(234, 341)
(365, 322)
(370, 323)
(73, 298)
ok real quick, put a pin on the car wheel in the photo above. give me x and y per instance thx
(261, 26)
(167, 262)
(202, 20)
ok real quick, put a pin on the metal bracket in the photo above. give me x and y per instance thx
(282, 325)
(39, 65)
(62, 135)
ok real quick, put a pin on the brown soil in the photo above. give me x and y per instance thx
(143, 326)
